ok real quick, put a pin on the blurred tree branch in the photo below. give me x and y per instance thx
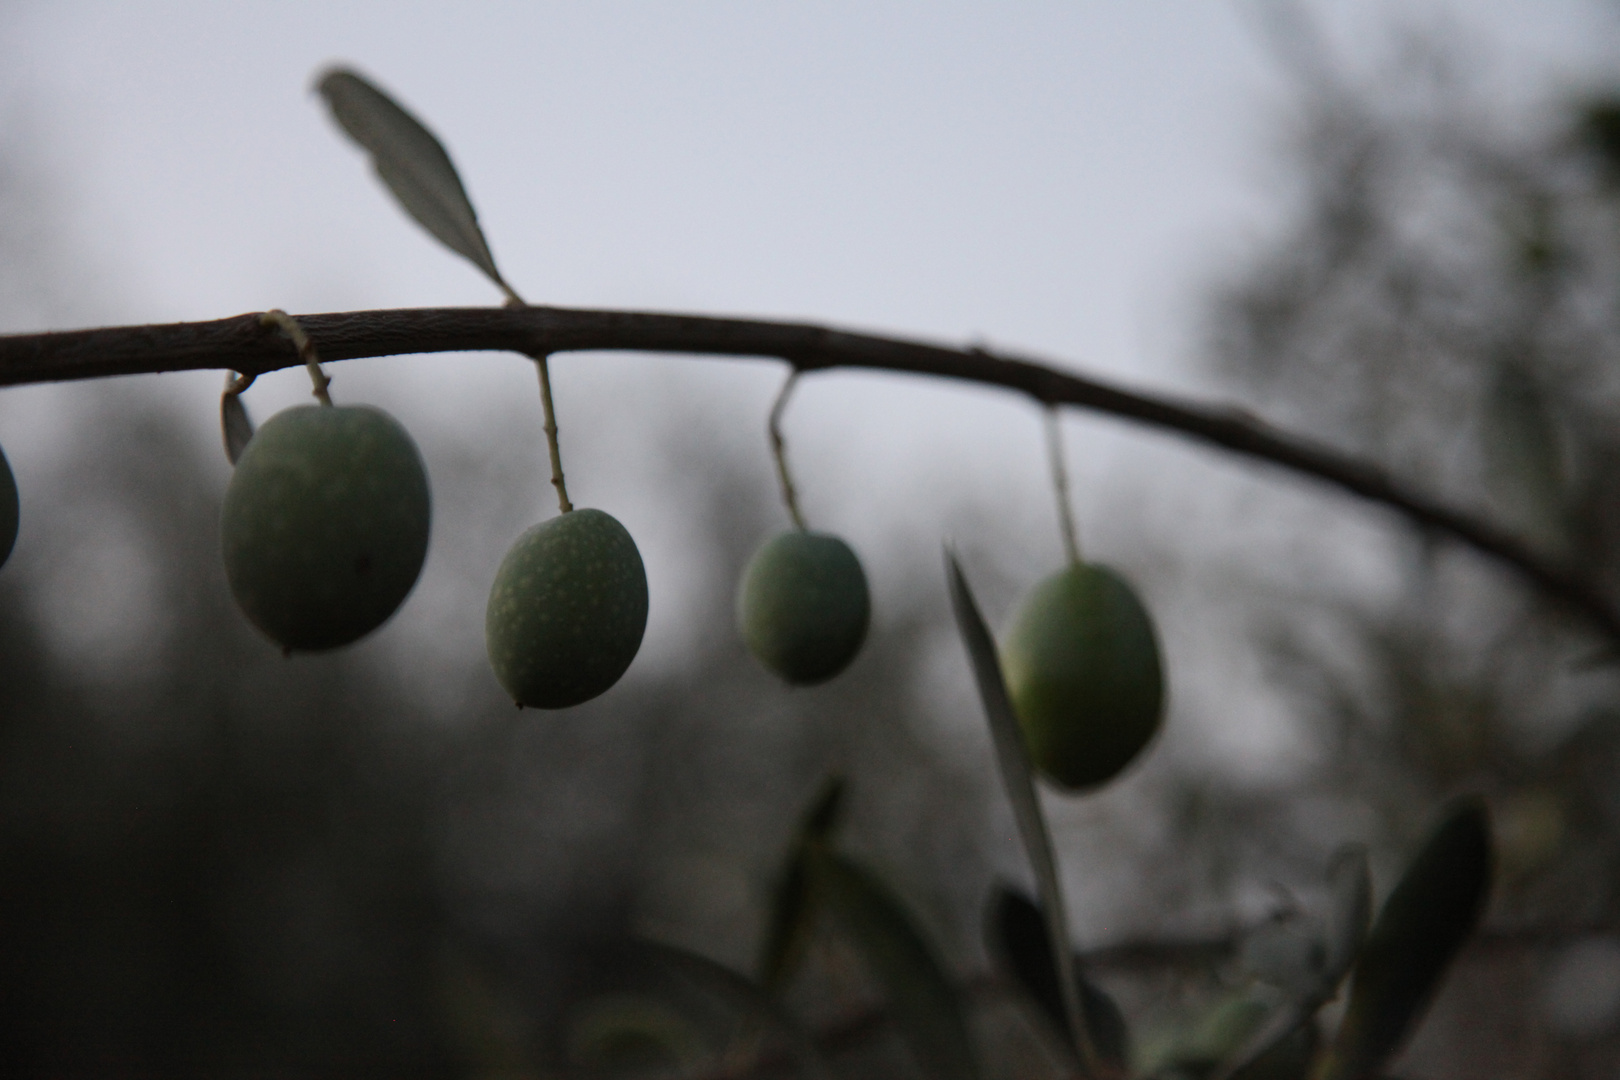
(243, 344)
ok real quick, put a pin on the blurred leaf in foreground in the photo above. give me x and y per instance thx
(1419, 930)
(792, 915)
(1018, 777)
(1015, 934)
(923, 1001)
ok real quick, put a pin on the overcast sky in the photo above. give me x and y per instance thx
(1047, 174)
(1060, 178)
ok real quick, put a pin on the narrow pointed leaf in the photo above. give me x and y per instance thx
(792, 915)
(1015, 934)
(412, 162)
(1419, 930)
(1524, 454)
(1230, 1023)
(1281, 1023)
(1196, 1045)
(825, 814)
(234, 425)
(923, 1001)
(1018, 777)
(632, 1033)
(1319, 962)
(1287, 953)
(745, 996)
(1349, 913)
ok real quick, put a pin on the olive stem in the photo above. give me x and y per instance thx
(542, 363)
(1060, 484)
(306, 350)
(779, 450)
(513, 300)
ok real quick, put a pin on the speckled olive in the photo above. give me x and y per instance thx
(325, 524)
(1081, 661)
(803, 606)
(567, 610)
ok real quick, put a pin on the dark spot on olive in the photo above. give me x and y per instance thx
(362, 564)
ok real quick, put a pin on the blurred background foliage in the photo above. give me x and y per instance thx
(217, 862)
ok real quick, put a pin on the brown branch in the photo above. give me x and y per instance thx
(243, 344)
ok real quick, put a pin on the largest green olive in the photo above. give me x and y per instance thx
(325, 524)
(567, 611)
(8, 509)
(1081, 661)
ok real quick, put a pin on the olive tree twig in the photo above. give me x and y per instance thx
(773, 427)
(240, 344)
(1060, 484)
(306, 354)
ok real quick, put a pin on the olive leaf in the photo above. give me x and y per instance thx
(1349, 910)
(234, 424)
(1198, 1046)
(1419, 930)
(413, 163)
(1015, 934)
(1307, 965)
(1018, 777)
(1524, 454)
(922, 999)
(792, 916)
(744, 996)
(1273, 1031)
(1309, 957)
(632, 1033)
(1287, 952)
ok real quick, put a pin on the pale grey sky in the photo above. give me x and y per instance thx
(1048, 174)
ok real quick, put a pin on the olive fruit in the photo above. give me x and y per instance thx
(1082, 666)
(8, 509)
(803, 606)
(567, 610)
(325, 524)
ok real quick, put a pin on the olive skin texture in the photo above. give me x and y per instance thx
(803, 606)
(325, 524)
(1081, 661)
(567, 611)
(8, 509)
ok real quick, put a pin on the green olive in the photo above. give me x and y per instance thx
(8, 509)
(567, 610)
(803, 606)
(325, 524)
(1082, 666)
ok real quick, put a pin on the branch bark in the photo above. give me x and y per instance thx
(243, 344)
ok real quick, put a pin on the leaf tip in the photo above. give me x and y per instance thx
(330, 78)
